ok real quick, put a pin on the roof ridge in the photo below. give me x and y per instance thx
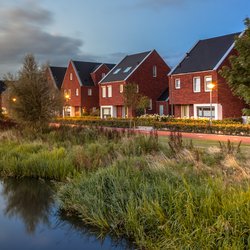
(220, 36)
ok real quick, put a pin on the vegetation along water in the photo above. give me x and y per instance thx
(153, 193)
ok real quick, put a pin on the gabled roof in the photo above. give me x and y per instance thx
(126, 67)
(84, 70)
(206, 54)
(164, 96)
(58, 74)
(2, 87)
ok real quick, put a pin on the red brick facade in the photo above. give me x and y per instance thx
(230, 106)
(150, 86)
(82, 98)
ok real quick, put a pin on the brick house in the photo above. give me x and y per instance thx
(56, 75)
(148, 70)
(191, 78)
(80, 86)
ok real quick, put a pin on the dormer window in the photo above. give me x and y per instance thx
(117, 71)
(127, 69)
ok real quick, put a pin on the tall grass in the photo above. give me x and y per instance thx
(160, 209)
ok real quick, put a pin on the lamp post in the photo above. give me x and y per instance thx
(210, 87)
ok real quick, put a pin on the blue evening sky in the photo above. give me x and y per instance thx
(97, 30)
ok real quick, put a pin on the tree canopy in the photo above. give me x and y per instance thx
(31, 98)
(238, 73)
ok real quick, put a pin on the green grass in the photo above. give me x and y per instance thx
(159, 193)
(162, 209)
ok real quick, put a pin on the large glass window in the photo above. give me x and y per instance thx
(205, 112)
(104, 91)
(197, 84)
(109, 91)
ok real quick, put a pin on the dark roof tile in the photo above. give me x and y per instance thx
(205, 55)
(58, 75)
(164, 96)
(84, 70)
(126, 66)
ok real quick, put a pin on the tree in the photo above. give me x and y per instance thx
(32, 99)
(238, 74)
(133, 100)
(143, 104)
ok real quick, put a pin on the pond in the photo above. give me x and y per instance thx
(29, 219)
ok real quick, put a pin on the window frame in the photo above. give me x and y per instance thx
(109, 91)
(90, 92)
(70, 76)
(194, 84)
(121, 88)
(175, 85)
(77, 92)
(205, 83)
(104, 92)
(154, 71)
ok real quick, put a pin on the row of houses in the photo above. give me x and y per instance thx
(193, 88)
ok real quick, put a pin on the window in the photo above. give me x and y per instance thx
(184, 111)
(150, 104)
(77, 92)
(104, 91)
(177, 83)
(154, 71)
(106, 112)
(207, 81)
(117, 71)
(197, 84)
(127, 69)
(89, 92)
(70, 76)
(137, 88)
(121, 88)
(69, 92)
(109, 91)
(205, 112)
(103, 74)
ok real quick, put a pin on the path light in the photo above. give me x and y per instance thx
(210, 87)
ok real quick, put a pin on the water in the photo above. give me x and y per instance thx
(29, 219)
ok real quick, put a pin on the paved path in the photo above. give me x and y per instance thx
(211, 137)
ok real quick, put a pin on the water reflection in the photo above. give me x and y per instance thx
(29, 203)
(30, 200)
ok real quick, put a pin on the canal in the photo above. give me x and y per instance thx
(30, 219)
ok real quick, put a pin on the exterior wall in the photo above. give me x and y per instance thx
(117, 97)
(148, 85)
(90, 102)
(72, 85)
(185, 95)
(232, 105)
(166, 107)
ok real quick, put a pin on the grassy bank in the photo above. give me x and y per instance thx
(168, 195)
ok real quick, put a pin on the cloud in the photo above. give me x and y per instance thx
(22, 31)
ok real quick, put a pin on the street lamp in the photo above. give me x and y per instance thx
(210, 87)
(14, 99)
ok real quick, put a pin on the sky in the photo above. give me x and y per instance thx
(56, 31)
